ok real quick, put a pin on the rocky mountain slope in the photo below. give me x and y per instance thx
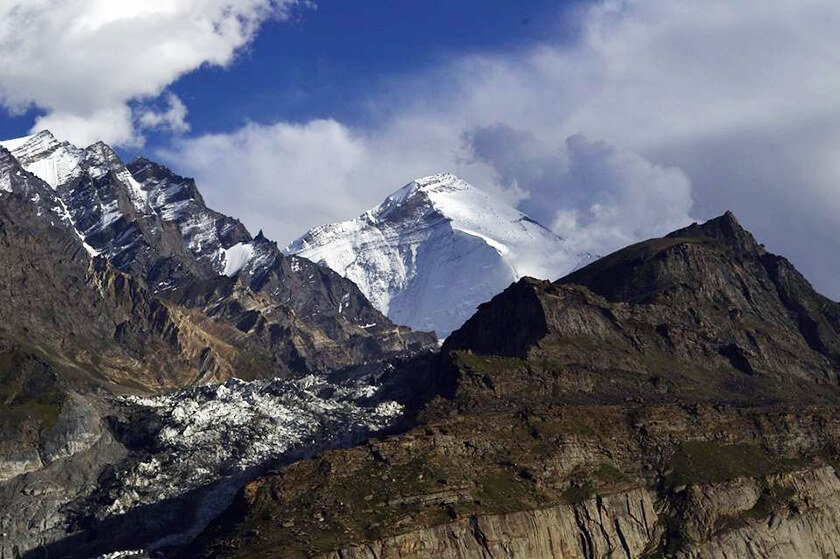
(434, 250)
(287, 314)
(678, 398)
(117, 280)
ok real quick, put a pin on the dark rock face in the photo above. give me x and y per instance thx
(510, 325)
(693, 375)
(98, 322)
(704, 312)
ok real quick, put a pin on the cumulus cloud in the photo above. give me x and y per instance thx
(114, 124)
(285, 178)
(83, 61)
(279, 177)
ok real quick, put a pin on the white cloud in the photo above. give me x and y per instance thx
(173, 118)
(597, 196)
(285, 178)
(737, 99)
(84, 60)
(111, 124)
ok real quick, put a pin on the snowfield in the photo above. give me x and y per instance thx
(214, 439)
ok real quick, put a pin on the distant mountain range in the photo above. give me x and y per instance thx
(118, 280)
(153, 225)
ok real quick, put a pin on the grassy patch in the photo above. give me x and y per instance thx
(28, 391)
(577, 494)
(504, 492)
(607, 474)
(702, 462)
(486, 364)
(553, 428)
(586, 485)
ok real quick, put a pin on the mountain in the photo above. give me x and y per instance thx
(678, 398)
(172, 386)
(153, 225)
(434, 250)
(123, 297)
(704, 313)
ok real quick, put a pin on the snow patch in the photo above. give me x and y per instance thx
(15, 143)
(138, 196)
(211, 433)
(45, 157)
(236, 257)
(493, 243)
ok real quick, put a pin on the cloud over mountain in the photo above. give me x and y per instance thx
(687, 109)
(646, 114)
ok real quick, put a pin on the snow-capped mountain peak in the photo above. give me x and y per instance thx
(122, 211)
(424, 189)
(435, 249)
(49, 159)
(154, 227)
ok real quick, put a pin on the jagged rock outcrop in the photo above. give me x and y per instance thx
(97, 325)
(82, 248)
(290, 315)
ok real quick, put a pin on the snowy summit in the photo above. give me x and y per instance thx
(434, 250)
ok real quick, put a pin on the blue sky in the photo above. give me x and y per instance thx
(608, 121)
(329, 61)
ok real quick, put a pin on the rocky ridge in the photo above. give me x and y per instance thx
(154, 226)
(678, 398)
